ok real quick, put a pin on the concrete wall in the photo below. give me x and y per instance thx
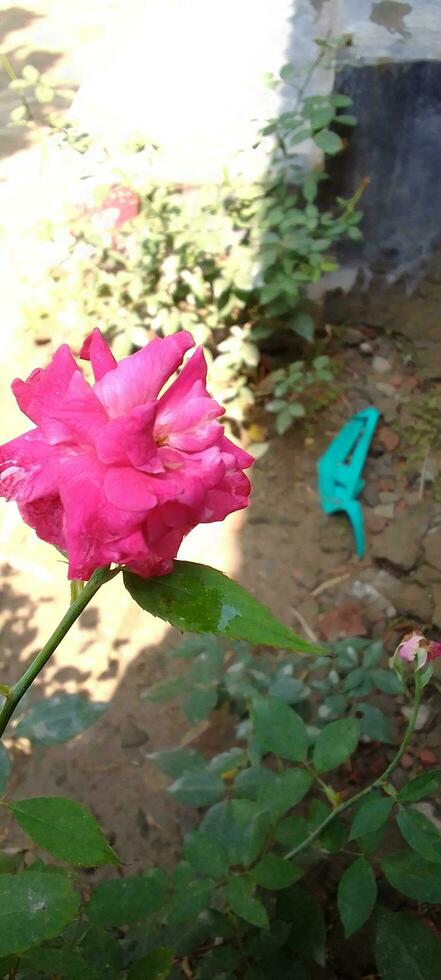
(188, 74)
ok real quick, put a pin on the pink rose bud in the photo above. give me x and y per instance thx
(120, 470)
(414, 646)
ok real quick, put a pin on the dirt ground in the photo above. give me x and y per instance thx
(299, 562)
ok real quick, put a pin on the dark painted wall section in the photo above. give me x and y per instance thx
(397, 144)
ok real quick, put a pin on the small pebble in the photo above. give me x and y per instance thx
(380, 365)
(385, 510)
(366, 349)
(386, 389)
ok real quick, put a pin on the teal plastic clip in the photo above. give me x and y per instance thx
(340, 469)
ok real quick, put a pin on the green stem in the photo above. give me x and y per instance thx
(375, 785)
(19, 689)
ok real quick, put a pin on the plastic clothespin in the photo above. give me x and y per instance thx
(340, 469)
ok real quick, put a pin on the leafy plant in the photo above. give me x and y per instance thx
(300, 391)
(243, 901)
(231, 263)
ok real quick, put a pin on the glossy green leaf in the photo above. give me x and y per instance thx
(126, 900)
(336, 743)
(57, 719)
(240, 896)
(356, 895)
(278, 729)
(414, 877)
(274, 872)
(155, 965)
(65, 829)
(5, 768)
(201, 599)
(197, 788)
(371, 814)
(420, 833)
(424, 785)
(405, 949)
(328, 141)
(34, 906)
(206, 854)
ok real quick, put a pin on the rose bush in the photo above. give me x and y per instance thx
(119, 470)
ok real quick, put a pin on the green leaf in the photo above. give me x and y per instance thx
(321, 116)
(373, 654)
(188, 903)
(356, 895)
(374, 723)
(289, 73)
(278, 729)
(206, 854)
(126, 900)
(336, 743)
(328, 141)
(174, 762)
(240, 826)
(291, 831)
(34, 906)
(218, 964)
(412, 876)
(387, 681)
(240, 896)
(420, 833)
(303, 326)
(340, 101)
(274, 872)
(250, 781)
(283, 421)
(405, 949)
(166, 690)
(424, 785)
(63, 962)
(347, 120)
(285, 791)
(197, 788)
(102, 952)
(201, 599)
(371, 814)
(199, 703)
(5, 768)
(57, 719)
(228, 761)
(65, 829)
(308, 927)
(155, 965)
(207, 666)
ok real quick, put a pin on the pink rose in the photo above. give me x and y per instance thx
(414, 646)
(118, 471)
